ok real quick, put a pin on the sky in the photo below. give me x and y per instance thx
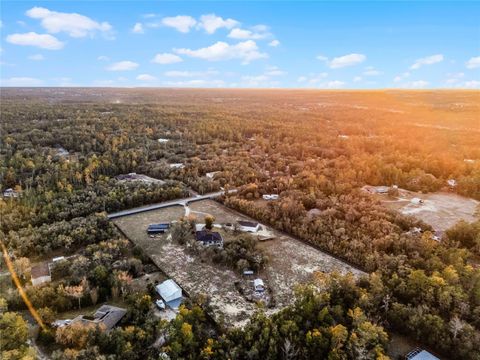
(249, 44)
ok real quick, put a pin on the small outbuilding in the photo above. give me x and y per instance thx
(270, 197)
(40, 274)
(248, 226)
(158, 228)
(10, 193)
(170, 292)
(258, 285)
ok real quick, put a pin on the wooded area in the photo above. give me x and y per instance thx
(315, 149)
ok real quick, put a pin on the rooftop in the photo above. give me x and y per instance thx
(168, 288)
(208, 236)
(40, 270)
(247, 223)
(107, 315)
(420, 354)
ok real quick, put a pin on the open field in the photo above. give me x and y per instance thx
(291, 262)
(440, 210)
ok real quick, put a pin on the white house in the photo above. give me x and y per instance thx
(170, 292)
(258, 285)
(248, 226)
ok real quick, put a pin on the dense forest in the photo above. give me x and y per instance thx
(63, 151)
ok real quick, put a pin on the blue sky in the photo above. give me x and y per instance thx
(241, 44)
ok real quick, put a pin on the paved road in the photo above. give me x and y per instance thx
(177, 202)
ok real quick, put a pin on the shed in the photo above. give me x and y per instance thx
(270, 197)
(10, 193)
(158, 228)
(40, 274)
(258, 285)
(170, 292)
(248, 226)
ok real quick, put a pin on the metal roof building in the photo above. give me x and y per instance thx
(420, 354)
(170, 292)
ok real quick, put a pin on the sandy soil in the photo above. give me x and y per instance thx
(441, 210)
(291, 262)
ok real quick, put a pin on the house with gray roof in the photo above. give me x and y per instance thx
(107, 316)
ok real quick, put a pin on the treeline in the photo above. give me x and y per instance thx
(423, 288)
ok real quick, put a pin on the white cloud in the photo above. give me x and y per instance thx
(73, 24)
(454, 78)
(211, 23)
(138, 28)
(418, 84)
(21, 81)
(44, 41)
(371, 71)
(103, 58)
(125, 65)
(274, 43)
(246, 51)
(429, 60)
(187, 74)
(103, 83)
(275, 72)
(182, 23)
(146, 77)
(196, 83)
(166, 58)
(36, 57)
(401, 77)
(472, 84)
(344, 61)
(64, 82)
(313, 79)
(242, 34)
(335, 84)
(473, 63)
(357, 79)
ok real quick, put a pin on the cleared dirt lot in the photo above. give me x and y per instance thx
(291, 262)
(191, 274)
(441, 210)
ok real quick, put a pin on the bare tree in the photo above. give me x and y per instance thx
(456, 325)
(289, 350)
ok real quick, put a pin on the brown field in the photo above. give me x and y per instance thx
(291, 262)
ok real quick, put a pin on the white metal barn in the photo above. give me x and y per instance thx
(169, 291)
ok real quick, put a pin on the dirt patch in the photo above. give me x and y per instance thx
(291, 262)
(441, 210)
